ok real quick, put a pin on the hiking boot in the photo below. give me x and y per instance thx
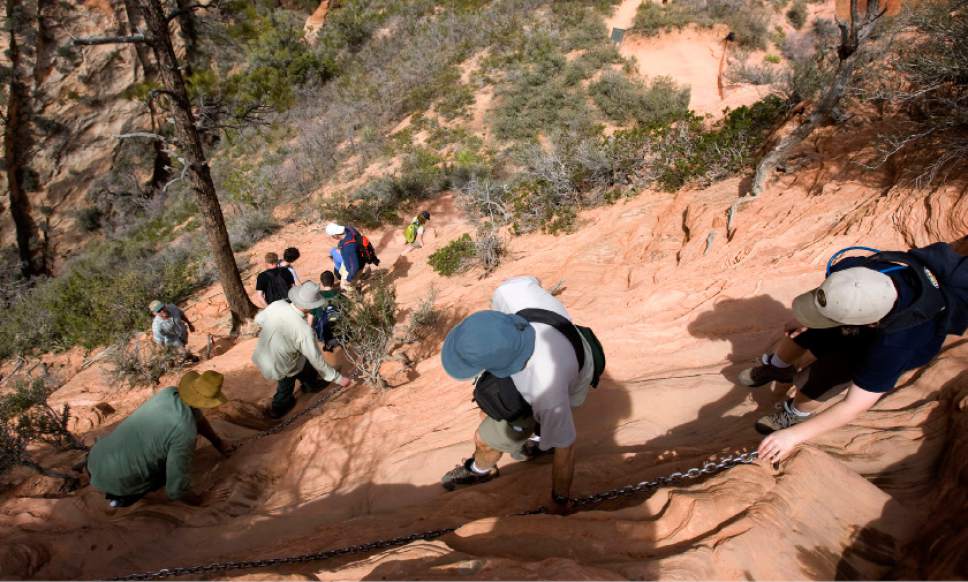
(766, 373)
(529, 451)
(463, 475)
(779, 420)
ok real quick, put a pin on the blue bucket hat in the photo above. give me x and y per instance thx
(488, 340)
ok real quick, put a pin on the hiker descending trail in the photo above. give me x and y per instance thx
(530, 366)
(413, 235)
(287, 350)
(170, 327)
(274, 283)
(871, 320)
(154, 447)
(356, 252)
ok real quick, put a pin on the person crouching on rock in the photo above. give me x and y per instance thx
(531, 366)
(871, 320)
(287, 350)
(153, 447)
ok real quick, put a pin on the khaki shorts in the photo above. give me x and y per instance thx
(504, 436)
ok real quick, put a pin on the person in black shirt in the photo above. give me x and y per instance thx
(871, 320)
(274, 283)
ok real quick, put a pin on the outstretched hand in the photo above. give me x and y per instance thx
(778, 445)
(344, 382)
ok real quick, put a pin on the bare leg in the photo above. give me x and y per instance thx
(484, 456)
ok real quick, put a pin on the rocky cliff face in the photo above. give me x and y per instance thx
(80, 101)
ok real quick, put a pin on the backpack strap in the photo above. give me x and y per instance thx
(560, 323)
(927, 304)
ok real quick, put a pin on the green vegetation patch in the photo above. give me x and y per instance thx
(455, 257)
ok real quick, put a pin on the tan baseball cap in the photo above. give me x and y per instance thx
(856, 296)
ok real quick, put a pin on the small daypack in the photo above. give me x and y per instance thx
(410, 233)
(500, 399)
(279, 284)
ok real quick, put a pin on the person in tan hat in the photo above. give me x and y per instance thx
(153, 447)
(287, 350)
(872, 319)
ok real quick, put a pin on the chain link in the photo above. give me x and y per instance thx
(322, 399)
(708, 468)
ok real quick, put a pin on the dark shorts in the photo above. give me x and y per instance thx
(837, 353)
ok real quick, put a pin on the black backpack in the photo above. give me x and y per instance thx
(499, 397)
(364, 248)
(929, 301)
(279, 284)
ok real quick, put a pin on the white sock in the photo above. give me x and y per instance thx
(775, 361)
(478, 470)
(792, 409)
(535, 438)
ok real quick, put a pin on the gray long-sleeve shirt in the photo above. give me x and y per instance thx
(171, 332)
(286, 343)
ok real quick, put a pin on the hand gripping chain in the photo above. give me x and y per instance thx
(709, 468)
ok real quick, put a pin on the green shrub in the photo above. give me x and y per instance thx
(653, 18)
(749, 22)
(250, 227)
(797, 14)
(455, 257)
(772, 59)
(650, 105)
(101, 296)
(365, 328)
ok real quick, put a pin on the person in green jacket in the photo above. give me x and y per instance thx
(153, 447)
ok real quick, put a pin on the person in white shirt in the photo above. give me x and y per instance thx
(287, 350)
(543, 365)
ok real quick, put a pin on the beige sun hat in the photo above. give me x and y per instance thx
(202, 390)
(306, 296)
(156, 306)
(855, 296)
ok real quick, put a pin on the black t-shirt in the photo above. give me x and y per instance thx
(891, 354)
(275, 283)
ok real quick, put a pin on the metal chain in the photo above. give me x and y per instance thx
(322, 399)
(709, 468)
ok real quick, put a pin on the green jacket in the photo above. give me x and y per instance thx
(152, 447)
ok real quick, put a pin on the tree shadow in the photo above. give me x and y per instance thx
(401, 268)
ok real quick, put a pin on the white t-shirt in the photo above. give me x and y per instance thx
(551, 381)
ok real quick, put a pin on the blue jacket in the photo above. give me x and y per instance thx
(350, 250)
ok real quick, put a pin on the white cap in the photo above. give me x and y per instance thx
(855, 296)
(333, 229)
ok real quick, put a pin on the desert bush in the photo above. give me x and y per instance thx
(797, 14)
(748, 21)
(930, 95)
(250, 227)
(489, 247)
(89, 218)
(365, 328)
(422, 319)
(745, 72)
(136, 364)
(101, 296)
(649, 104)
(455, 257)
(772, 59)
(27, 418)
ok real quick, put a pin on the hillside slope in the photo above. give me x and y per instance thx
(680, 308)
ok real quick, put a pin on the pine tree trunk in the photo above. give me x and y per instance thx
(16, 146)
(144, 56)
(191, 147)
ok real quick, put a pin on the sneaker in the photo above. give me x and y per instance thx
(779, 420)
(463, 475)
(766, 373)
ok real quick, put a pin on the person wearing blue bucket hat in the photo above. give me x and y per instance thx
(530, 367)
(499, 343)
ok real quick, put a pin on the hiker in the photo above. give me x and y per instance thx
(274, 283)
(871, 320)
(355, 250)
(323, 318)
(414, 233)
(531, 366)
(290, 256)
(170, 327)
(154, 447)
(287, 350)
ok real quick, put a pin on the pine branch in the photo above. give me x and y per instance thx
(96, 40)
